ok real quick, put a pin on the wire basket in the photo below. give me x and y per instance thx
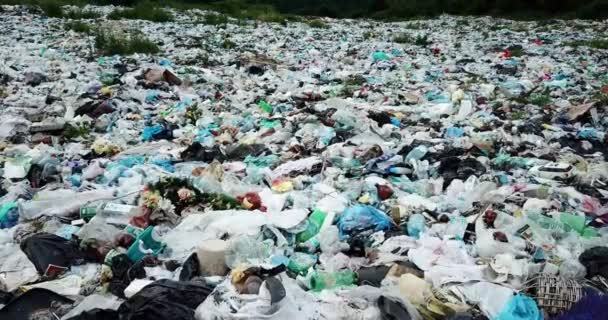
(553, 294)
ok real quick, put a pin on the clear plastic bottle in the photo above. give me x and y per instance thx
(315, 221)
(416, 154)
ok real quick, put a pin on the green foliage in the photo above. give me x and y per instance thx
(77, 26)
(355, 80)
(228, 44)
(278, 10)
(519, 52)
(142, 11)
(597, 9)
(422, 40)
(51, 8)
(601, 98)
(215, 19)
(71, 132)
(496, 27)
(193, 113)
(81, 14)
(272, 17)
(403, 38)
(317, 24)
(540, 100)
(593, 43)
(109, 42)
(518, 115)
(415, 26)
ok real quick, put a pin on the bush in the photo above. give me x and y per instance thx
(77, 26)
(594, 43)
(215, 19)
(51, 8)
(355, 80)
(318, 24)
(403, 38)
(142, 11)
(272, 17)
(81, 14)
(228, 44)
(595, 10)
(540, 100)
(422, 40)
(124, 3)
(108, 42)
(518, 52)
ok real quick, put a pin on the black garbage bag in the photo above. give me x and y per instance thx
(45, 249)
(190, 268)
(196, 152)
(256, 70)
(123, 272)
(5, 297)
(381, 118)
(455, 168)
(96, 314)
(241, 151)
(595, 261)
(393, 309)
(372, 276)
(34, 301)
(165, 299)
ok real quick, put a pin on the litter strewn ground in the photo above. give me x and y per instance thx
(452, 168)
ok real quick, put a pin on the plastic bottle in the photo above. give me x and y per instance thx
(416, 154)
(329, 280)
(311, 245)
(315, 221)
(416, 225)
(113, 213)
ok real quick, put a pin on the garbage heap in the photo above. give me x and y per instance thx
(452, 168)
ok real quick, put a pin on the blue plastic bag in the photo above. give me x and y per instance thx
(379, 55)
(360, 218)
(520, 307)
(454, 132)
(9, 215)
(151, 132)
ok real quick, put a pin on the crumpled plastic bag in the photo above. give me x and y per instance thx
(15, 267)
(360, 218)
(165, 299)
(45, 249)
(520, 307)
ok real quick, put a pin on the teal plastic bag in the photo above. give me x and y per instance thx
(379, 55)
(520, 307)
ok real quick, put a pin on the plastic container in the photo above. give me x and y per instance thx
(148, 243)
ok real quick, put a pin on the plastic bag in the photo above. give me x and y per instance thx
(47, 250)
(165, 299)
(360, 218)
(520, 307)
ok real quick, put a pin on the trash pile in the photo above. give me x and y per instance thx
(256, 170)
